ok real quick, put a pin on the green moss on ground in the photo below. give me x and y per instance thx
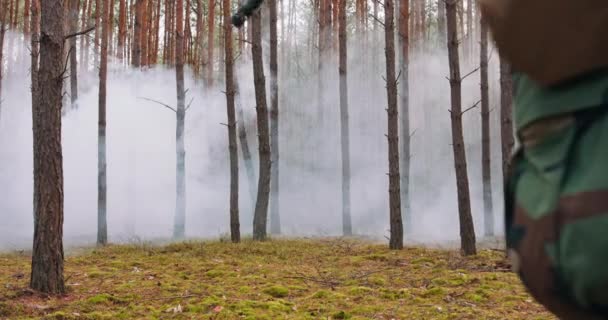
(279, 279)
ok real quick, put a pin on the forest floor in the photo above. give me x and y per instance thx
(279, 279)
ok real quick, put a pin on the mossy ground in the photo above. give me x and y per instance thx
(279, 279)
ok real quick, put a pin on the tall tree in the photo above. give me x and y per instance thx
(275, 222)
(97, 32)
(485, 132)
(396, 223)
(26, 17)
(467, 230)
(404, 102)
(144, 33)
(35, 53)
(73, 19)
(16, 16)
(102, 227)
(210, 42)
(261, 206)
(347, 228)
(235, 232)
(137, 35)
(111, 28)
(122, 28)
(506, 114)
(47, 254)
(179, 230)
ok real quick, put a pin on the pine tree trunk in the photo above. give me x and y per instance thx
(199, 39)
(102, 226)
(73, 18)
(144, 34)
(404, 166)
(97, 32)
(35, 54)
(26, 17)
(467, 230)
(261, 206)
(506, 115)
(210, 41)
(83, 25)
(136, 44)
(122, 28)
(111, 29)
(485, 133)
(347, 228)
(275, 222)
(47, 254)
(235, 226)
(396, 224)
(179, 231)
(87, 49)
(156, 33)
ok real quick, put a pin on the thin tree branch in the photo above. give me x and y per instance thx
(79, 33)
(158, 102)
(472, 107)
(377, 20)
(470, 73)
(189, 104)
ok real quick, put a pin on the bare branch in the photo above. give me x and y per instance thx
(472, 107)
(189, 104)
(470, 73)
(244, 40)
(377, 20)
(79, 33)
(158, 102)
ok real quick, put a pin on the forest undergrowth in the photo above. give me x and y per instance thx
(277, 279)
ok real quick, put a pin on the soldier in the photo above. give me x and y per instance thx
(556, 195)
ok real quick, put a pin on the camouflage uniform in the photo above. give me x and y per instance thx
(556, 195)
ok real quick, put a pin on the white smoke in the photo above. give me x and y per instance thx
(141, 152)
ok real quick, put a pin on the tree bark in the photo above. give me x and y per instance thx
(467, 230)
(404, 166)
(485, 133)
(506, 115)
(136, 44)
(83, 25)
(156, 34)
(26, 17)
(261, 206)
(102, 227)
(199, 39)
(97, 32)
(396, 224)
(74, 8)
(210, 41)
(111, 29)
(122, 28)
(275, 222)
(34, 68)
(179, 230)
(347, 228)
(235, 227)
(47, 254)
(144, 33)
